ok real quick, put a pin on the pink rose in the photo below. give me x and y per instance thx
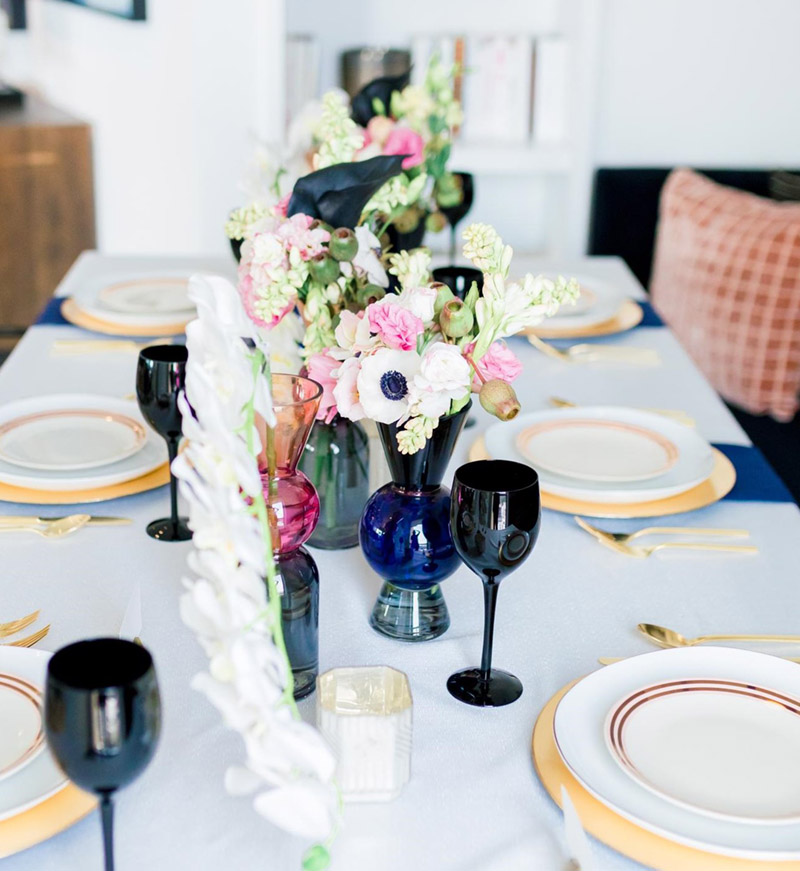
(346, 391)
(404, 141)
(282, 206)
(296, 233)
(396, 326)
(320, 368)
(498, 362)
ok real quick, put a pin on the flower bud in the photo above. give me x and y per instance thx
(456, 319)
(435, 222)
(407, 221)
(317, 224)
(368, 294)
(323, 268)
(343, 244)
(499, 399)
(443, 295)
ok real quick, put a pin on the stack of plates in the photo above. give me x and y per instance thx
(601, 310)
(36, 800)
(698, 746)
(74, 448)
(144, 306)
(605, 461)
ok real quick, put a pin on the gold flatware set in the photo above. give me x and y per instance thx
(16, 626)
(69, 347)
(57, 527)
(619, 541)
(583, 352)
(672, 413)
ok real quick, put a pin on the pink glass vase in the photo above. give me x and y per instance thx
(293, 509)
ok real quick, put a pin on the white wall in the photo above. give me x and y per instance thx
(703, 82)
(172, 102)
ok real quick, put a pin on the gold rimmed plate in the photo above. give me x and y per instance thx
(76, 315)
(21, 731)
(628, 315)
(167, 295)
(719, 483)
(729, 749)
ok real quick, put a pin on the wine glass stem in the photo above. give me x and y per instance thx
(490, 588)
(452, 243)
(172, 447)
(107, 817)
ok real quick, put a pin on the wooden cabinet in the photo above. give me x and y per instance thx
(46, 205)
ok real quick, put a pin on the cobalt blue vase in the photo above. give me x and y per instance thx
(405, 535)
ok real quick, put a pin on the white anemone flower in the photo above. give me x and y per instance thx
(385, 384)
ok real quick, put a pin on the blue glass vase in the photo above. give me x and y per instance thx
(405, 535)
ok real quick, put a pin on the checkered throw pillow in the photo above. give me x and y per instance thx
(726, 278)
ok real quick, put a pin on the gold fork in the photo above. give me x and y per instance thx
(15, 626)
(643, 552)
(586, 353)
(671, 413)
(64, 347)
(625, 537)
(55, 528)
(29, 640)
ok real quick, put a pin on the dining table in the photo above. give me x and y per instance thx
(473, 802)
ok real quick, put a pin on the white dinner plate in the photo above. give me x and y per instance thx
(40, 777)
(722, 747)
(597, 450)
(152, 454)
(21, 727)
(165, 295)
(599, 302)
(70, 439)
(692, 466)
(579, 733)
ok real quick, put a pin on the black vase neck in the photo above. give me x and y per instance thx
(425, 469)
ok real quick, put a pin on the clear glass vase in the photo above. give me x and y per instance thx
(293, 511)
(405, 535)
(336, 460)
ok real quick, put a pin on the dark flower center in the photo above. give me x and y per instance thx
(394, 385)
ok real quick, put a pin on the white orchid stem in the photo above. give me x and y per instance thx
(261, 366)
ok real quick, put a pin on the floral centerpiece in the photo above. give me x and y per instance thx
(414, 357)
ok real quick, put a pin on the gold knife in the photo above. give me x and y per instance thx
(27, 520)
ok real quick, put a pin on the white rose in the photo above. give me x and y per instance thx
(419, 301)
(444, 370)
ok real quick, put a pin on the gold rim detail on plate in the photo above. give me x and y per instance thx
(157, 478)
(72, 312)
(44, 820)
(651, 850)
(719, 483)
(670, 450)
(34, 696)
(110, 289)
(113, 416)
(621, 712)
(628, 316)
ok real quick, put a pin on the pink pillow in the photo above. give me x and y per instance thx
(726, 278)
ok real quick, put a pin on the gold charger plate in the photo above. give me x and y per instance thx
(629, 315)
(72, 312)
(37, 824)
(618, 833)
(717, 485)
(157, 478)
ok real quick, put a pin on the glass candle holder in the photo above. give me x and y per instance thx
(366, 713)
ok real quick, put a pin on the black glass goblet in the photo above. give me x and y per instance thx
(160, 378)
(495, 512)
(456, 213)
(458, 278)
(102, 718)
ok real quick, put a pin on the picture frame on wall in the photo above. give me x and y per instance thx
(132, 10)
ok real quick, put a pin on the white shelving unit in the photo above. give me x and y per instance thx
(536, 195)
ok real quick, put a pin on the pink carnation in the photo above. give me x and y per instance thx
(282, 206)
(404, 141)
(296, 233)
(320, 368)
(498, 362)
(247, 292)
(396, 326)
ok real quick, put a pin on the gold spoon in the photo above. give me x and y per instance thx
(669, 638)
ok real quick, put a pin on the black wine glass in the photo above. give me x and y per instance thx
(160, 378)
(495, 512)
(456, 213)
(458, 278)
(102, 718)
